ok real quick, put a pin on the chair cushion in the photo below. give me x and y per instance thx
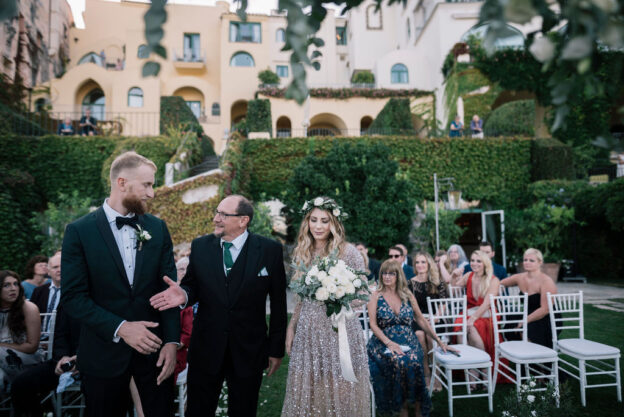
(584, 347)
(526, 350)
(468, 355)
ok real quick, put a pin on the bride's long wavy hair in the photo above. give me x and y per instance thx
(304, 251)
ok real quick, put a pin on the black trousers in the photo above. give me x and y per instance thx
(31, 386)
(110, 397)
(203, 391)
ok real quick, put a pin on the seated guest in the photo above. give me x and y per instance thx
(66, 128)
(20, 329)
(397, 254)
(479, 283)
(186, 324)
(35, 274)
(395, 357)
(32, 385)
(536, 284)
(372, 264)
(500, 271)
(425, 284)
(476, 127)
(453, 263)
(88, 124)
(407, 260)
(457, 128)
(47, 296)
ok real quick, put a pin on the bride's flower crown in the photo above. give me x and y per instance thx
(326, 204)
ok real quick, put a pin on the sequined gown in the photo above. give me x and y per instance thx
(397, 379)
(315, 386)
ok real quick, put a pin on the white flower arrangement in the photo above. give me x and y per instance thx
(142, 235)
(331, 281)
(326, 204)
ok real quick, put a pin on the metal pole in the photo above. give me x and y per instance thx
(435, 196)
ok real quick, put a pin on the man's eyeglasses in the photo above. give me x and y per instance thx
(394, 256)
(221, 214)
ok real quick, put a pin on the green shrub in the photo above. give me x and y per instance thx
(449, 231)
(268, 77)
(363, 77)
(394, 118)
(262, 223)
(516, 118)
(364, 181)
(259, 116)
(175, 113)
(551, 159)
(12, 122)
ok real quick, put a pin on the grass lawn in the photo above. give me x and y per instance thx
(600, 326)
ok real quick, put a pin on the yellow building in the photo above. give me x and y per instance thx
(213, 63)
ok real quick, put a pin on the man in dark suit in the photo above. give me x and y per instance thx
(396, 254)
(373, 264)
(500, 271)
(47, 296)
(34, 383)
(230, 273)
(113, 262)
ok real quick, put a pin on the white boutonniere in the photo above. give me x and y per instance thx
(142, 235)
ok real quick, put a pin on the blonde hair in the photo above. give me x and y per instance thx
(433, 275)
(401, 289)
(488, 272)
(536, 252)
(128, 160)
(304, 251)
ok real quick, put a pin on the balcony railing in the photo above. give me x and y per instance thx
(190, 57)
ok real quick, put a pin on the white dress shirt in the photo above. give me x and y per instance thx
(125, 239)
(237, 246)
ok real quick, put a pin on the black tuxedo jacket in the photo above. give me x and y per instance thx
(97, 293)
(232, 309)
(40, 297)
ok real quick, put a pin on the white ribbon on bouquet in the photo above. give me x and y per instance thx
(339, 322)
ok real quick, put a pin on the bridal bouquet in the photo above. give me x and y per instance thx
(331, 281)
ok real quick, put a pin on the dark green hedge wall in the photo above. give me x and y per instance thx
(491, 170)
(259, 116)
(551, 159)
(510, 119)
(174, 113)
(394, 118)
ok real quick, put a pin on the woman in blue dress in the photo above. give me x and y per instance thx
(395, 357)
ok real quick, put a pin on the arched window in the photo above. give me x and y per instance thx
(135, 97)
(280, 36)
(399, 74)
(95, 101)
(92, 58)
(216, 109)
(510, 37)
(242, 59)
(142, 52)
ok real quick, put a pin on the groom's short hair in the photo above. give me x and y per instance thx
(128, 160)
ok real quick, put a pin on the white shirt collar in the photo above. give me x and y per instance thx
(239, 241)
(111, 213)
(53, 286)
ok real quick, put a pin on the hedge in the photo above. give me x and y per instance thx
(493, 170)
(514, 118)
(186, 221)
(551, 159)
(174, 113)
(395, 117)
(259, 116)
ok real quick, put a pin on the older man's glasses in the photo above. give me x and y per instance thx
(223, 215)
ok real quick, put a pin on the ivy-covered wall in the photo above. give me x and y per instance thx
(496, 170)
(259, 116)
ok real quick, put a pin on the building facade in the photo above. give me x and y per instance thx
(213, 61)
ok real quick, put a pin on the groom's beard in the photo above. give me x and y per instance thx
(134, 205)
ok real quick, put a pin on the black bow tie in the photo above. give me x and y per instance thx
(130, 221)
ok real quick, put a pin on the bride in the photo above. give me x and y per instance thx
(315, 385)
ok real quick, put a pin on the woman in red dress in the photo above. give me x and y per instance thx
(480, 283)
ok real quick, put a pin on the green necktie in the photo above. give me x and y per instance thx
(227, 257)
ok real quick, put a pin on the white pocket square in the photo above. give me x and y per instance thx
(263, 273)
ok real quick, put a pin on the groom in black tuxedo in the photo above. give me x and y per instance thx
(113, 262)
(230, 273)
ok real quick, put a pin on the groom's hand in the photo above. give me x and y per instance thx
(137, 335)
(274, 364)
(166, 359)
(173, 296)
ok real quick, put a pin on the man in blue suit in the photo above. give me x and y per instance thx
(397, 254)
(500, 271)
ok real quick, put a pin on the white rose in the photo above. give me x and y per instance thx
(313, 271)
(308, 279)
(321, 275)
(357, 283)
(305, 206)
(543, 49)
(350, 288)
(336, 212)
(532, 384)
(340, 292)
(321, 294)
(318, 201)
(530, 398)
(331, 287)
(147, 235)
(334, 271)
(343, 279)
